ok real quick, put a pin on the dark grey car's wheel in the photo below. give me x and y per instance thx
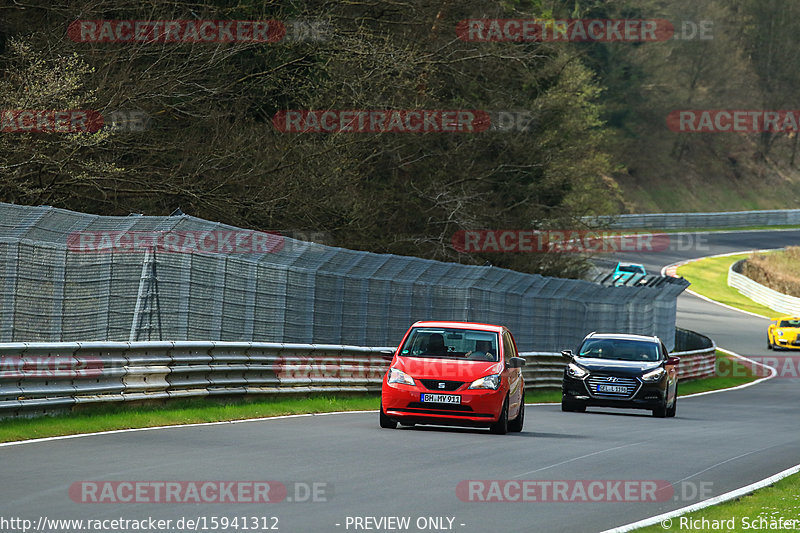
(515, 426)
(661, 410)
(501, 426)
(387, 422)
(570, 407)
(674, 407)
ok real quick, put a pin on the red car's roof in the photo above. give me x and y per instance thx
(459, 325)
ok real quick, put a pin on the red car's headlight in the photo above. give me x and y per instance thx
(487, 382)
(398, 376)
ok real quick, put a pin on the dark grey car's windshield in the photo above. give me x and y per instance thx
(452, 343)
(620, 349)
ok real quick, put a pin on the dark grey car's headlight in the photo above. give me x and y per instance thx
(654, 375)
(576, 371)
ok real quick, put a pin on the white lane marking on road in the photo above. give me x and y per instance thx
(728, 495)
(726, 461)
(579, 458)
(681, 263)
(772, 373)
(726, 306)
(706, 503)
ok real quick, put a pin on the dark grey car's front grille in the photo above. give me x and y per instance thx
(631, 385)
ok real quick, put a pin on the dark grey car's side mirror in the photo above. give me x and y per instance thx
(567, 354)
(516, 362)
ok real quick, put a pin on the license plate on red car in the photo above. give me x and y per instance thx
(440, 398)
(612, 388)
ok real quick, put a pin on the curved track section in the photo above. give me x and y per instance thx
(717, 443)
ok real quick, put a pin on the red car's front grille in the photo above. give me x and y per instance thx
(441, 384)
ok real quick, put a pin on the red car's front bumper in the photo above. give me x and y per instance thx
(478, 407)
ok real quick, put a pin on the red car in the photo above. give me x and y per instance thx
(455, 373)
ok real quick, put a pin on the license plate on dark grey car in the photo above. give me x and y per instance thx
(612, 388)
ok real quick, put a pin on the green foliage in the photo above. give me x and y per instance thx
(211, 148)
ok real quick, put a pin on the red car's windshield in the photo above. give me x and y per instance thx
(455, 343)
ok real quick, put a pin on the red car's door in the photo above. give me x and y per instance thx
(514, 375)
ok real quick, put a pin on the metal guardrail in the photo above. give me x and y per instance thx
(760, 293)
(38, 378)
(731, 219)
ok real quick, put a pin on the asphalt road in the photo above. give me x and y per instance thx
(717, 443)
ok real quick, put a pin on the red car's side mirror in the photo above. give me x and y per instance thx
(672, 361)
(516, 362)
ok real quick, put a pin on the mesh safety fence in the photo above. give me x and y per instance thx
(54, 287)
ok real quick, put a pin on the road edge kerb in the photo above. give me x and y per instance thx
(772, 373)
(675, 266)
(722, 498)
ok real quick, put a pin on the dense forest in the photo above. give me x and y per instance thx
(201, 131)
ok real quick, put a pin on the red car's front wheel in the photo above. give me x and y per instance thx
(387, 422)
(501, 426)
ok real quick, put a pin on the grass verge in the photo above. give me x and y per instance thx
(176, 412)
(730, 373)
(709, 278)
(95, 418)
(780, 500)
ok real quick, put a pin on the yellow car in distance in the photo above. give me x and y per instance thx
(784, 333)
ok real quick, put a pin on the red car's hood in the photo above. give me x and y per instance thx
(446, 369)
